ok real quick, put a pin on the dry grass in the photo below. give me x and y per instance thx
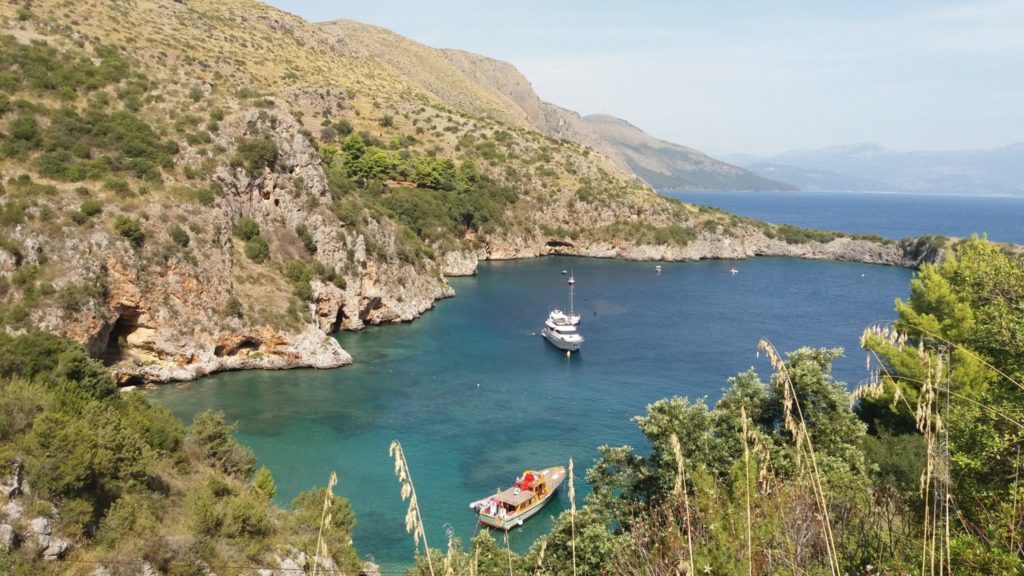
(680, 490)
(572, 513)
(746, 488)
(797, 426)
(325, 520)
(413, 519)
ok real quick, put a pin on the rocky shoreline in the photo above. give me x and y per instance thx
(315, 348)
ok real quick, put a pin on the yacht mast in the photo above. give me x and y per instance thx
(572, 285)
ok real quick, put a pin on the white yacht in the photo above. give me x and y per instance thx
(559, 330)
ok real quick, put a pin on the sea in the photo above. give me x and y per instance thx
(475, 395)
(889, 214)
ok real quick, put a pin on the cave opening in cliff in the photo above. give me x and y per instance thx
(339, 320)
(559, 244)
(117, 342)
(245, 345)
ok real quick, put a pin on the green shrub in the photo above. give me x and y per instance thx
(131, 229)
(246, 515)
(257, 249)
(233, 307)
(257, 154)
(246, 228)
(43, 68)
(796, 235)
(212, 438)
(74, 297)
(344, 127)
(205, 517)
(24, 127)
(264, 483)
(296, 271)
(11, 247)
(117, 185)
(306, 237)
(91, 207)
(179, 236)
(12, 212)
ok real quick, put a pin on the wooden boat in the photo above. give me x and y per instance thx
(511, 507)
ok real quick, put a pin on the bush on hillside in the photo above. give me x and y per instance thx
(130, 229)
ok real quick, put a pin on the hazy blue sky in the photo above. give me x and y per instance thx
(751, 76)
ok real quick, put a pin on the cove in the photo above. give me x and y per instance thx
(475, 395)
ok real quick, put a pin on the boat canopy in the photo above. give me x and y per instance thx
(514, 498)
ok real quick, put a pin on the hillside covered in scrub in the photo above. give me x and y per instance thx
(93, 481)
(192, 186)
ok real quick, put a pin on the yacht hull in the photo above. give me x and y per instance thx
(559, 343)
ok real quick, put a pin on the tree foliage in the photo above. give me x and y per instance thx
(129, 482)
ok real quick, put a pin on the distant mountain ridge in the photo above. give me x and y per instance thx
(871, 166)
(665, 165)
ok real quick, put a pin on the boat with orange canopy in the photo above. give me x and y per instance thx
(509, 508)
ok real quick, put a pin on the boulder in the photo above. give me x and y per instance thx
(11, 486)
(12, 511)
(55, 549)
(8, 538)
(40, 526)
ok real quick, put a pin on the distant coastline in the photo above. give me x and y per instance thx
(886, 213)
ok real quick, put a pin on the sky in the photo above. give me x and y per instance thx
(758, 77)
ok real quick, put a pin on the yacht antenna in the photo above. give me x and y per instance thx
(572, 285)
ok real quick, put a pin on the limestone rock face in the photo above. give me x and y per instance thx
(48, 546)
(11, 511)
(159, 316)
(10, 487)
(8, 538)
(459, 263)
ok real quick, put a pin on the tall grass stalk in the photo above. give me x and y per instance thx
(1013, 515)
(572, 513)
(413, 518)
(680, 490)
(797, 426)
(449, 556)
(746, 489)
(540, 558)
(508, 549)
(936, 554)
(325, 520)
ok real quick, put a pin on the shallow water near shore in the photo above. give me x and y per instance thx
(475, 395)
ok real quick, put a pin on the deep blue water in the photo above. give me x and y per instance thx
(476, 396)
(889, 215)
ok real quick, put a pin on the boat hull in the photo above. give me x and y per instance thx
(560, 343)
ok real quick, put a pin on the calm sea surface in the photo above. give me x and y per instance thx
(888, 215)
(476, 395)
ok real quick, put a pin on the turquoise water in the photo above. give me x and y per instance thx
(889, 215)
(476, 396)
